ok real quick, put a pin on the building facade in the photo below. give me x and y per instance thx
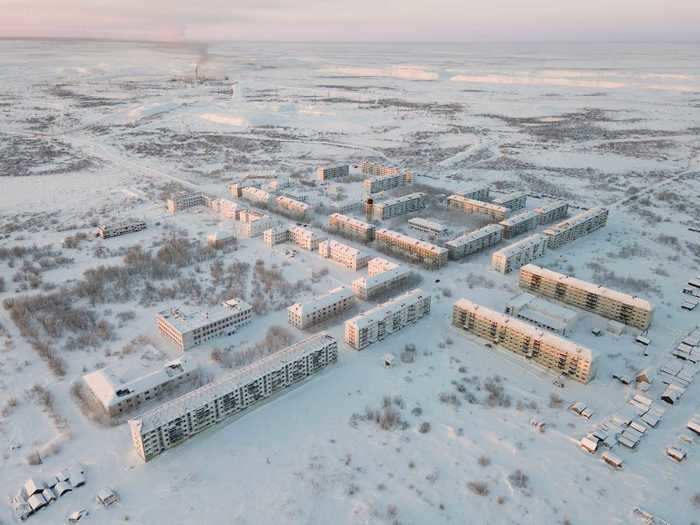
(427, 226)
(351, 227)
(120, 228)
(183, 200)
(458, 202)
(618, 306)
(551, 212)
(224, 207)
(519, 253)
(332, 172)
(318, 309)
(396, 206)
(385, 319)
(542, 314)
(386, 182)
(350, 257)
(276, 235)
(513, 201)
(475, 241)
(545, 348)
(180, 419)
(292, 205)
(306, 237)
(519, 223)
(187, 329)
(478, 193)
(426, 253)
(256, 195)
(383, 276)
(577, 226)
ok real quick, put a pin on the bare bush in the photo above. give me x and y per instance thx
(408, 354)
(695, 500)
(424, 427)
(480, 488)
(34, 458)
(519, 479)
(484, 461)
(449, 398)
(555, 401)
(496, 393)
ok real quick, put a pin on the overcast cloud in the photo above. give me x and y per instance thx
(367, 20)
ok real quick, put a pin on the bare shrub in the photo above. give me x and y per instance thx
(34, 458)
(496, 393)
(9, 407)
(424, 427)
(555, 401)
(480, 488)
(449, 398)
(519, 479)
(416, 411)
(484, 461)
(2, 284)
(408, 354)
(695, 500)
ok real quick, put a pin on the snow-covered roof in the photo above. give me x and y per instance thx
(427, 224)
(525, 328)
(230, 382)
(371, 281)
(519, 218)
(575, 220)
(474, 235)
(520, 246)
(350, 220)
(317, 303)
(551, 206)
(287, 201)
(480, 204)
(510, 197)
(399, 200)
(185, 321)
(335, 246)
(379, 313)
(614, 295)
(437, 250)
(110, 388)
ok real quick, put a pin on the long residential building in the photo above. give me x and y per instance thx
(377, 170)
(332, 172)
(621, 307)
(553, 211)
(479, 193)
(467, 205)
(347, 255)
(513, 201)
(182, 418)
(256, 195)
(224, 207)
(318, 309)
(427, 226)
(396, 206)
(236, 189)
(386, 182)
(383, 276)
(183, 200)
(276, 235)
(385, 319)
(292, 205)
(519, 223)
(424, 252)
(306, 237)
(118, 394)
(475, 241)
(108, 230)
(545, 348)
(519, 253)
(577, 226)
(252, 224)
(351, 227)
(187, 329)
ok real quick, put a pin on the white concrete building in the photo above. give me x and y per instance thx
(221, 238)
(183, 200)
(332, 172)
(427, 226)
(256, 195)
(318, 309)
(475, 241)
(519, 223)
(180, 419)
(306, 237)
(386, 182)
(541, 313)
(478, 193)
(458, 202)
(292, 205)
(276, 235)
(423, 252)
(224, 207)
(519, 253)
(383, 275)
(252, 223)
(187, 329)
(351, 227)
(553, 211)
(121, 393)
(576, 226)
(545, 348)
(513, 201)
(396, 206)
(236, 189)
(108, 230)
(385, 319)
(350, 257)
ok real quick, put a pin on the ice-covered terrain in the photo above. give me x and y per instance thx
(91, 131)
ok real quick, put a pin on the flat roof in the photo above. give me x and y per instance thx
(474, 235)
(344, 248)
(551, 206)
(574, 221)
(411, 240)
(525, 328)
(379, 312)
(107, 382)
(479, 204)
(510, 197)
(322, 301)
(398, 200)
(121, 223)
(187, 320)
(589, 287)
(351, 220)
(425, 223)
(521, 245)
(518, 218)
(230, 382)
(294, 202)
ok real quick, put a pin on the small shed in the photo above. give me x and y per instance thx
(62, 488)
(578, 407)
(694, 424)
(389, 360)
(36, 502)
(32, 486)
(77, 477)
(643, 340)
(107, 497)
(615, 328)
(672, 394)
(49, 496)
(589, 443)
(20, 508)
(676, 454)
(612, 460)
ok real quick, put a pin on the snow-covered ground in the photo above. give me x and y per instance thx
(94, 131)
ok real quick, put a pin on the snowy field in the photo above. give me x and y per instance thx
(93, 131)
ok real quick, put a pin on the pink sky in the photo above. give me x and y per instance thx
(426, 20)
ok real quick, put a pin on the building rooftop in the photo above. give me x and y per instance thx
(509, 197)
(230, 382)
(575, 220)
(387, 275)
(398, 200)
(185, 321)
(551, 206)
(291, 202)
(344, 248)
(322, 301)
(480, 204)
(524, 244)
(614, 295)
(527, 329)
(520, 217)
(351, 220)
(425, 223)
(412, 240)
(308, 233)
(378, 313)
(474, 235)
(111, 387)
